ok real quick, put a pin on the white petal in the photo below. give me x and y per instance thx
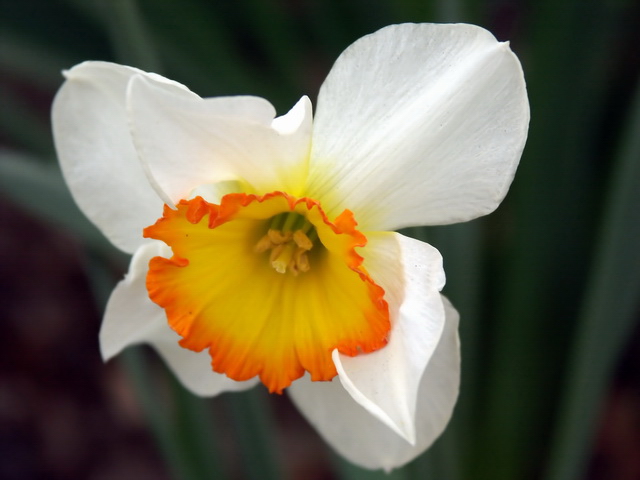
(360, 437)
(96, 152)
(419, 124)
(296, 125)
(386, 382)
(132, 318)
(185, 143)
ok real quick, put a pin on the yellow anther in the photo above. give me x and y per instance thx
(263, 245)
(302, 240)
(281, 257)
(277, 237)
(275, 252)
(302, 260)
(288, 249)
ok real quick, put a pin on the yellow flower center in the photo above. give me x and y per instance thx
(268, 284)
(289, 239)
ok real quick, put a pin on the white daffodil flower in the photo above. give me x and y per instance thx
(263, 248)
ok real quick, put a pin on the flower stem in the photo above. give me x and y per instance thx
(253, 423)
(608, 314)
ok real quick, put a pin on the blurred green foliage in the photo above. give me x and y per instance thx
(548, 287)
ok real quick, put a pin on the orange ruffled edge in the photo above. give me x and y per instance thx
(327, 308)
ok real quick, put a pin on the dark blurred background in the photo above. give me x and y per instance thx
(548, 286)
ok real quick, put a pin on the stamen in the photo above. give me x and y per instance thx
(281, 257)
(277, 237)
(302, 240)
(211, 304)
(263, 245)
(302, 260)
(289, 238)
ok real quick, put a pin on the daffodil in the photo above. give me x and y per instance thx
(264, 247)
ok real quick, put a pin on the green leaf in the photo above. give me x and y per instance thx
(41, 190)
(183, 430)
(548, 218)
(611, 303)
(129, 35)
(254, 425)
(348, 471)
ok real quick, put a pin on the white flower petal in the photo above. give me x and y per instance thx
(96, 153)
(185, 143)
(419, 124)
(298, 117)
(132, 318)
(386, 381)
(361, 437)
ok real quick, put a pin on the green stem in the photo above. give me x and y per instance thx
(129, 35)
(253, 423)
(158, 418)
(552, 200)
(611, 302)
(348, 471)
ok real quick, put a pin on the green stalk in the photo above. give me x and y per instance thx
(129, 35)
(40, 189)
(277, 36)
(182, 426)
(253, 423)
(22, 125)
(552, 202)
(158, 417)
(348, 471)
(607, 317)
(194, 431)
(461, 248)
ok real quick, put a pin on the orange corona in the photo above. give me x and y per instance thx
(268, 284)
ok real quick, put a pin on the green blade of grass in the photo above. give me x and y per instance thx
(609, 310)
(253, 422)
(41, 190)
(461, 247)
(179, 422)
(129, 35)
(540, 277)
(348, 471)
(160, 421)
